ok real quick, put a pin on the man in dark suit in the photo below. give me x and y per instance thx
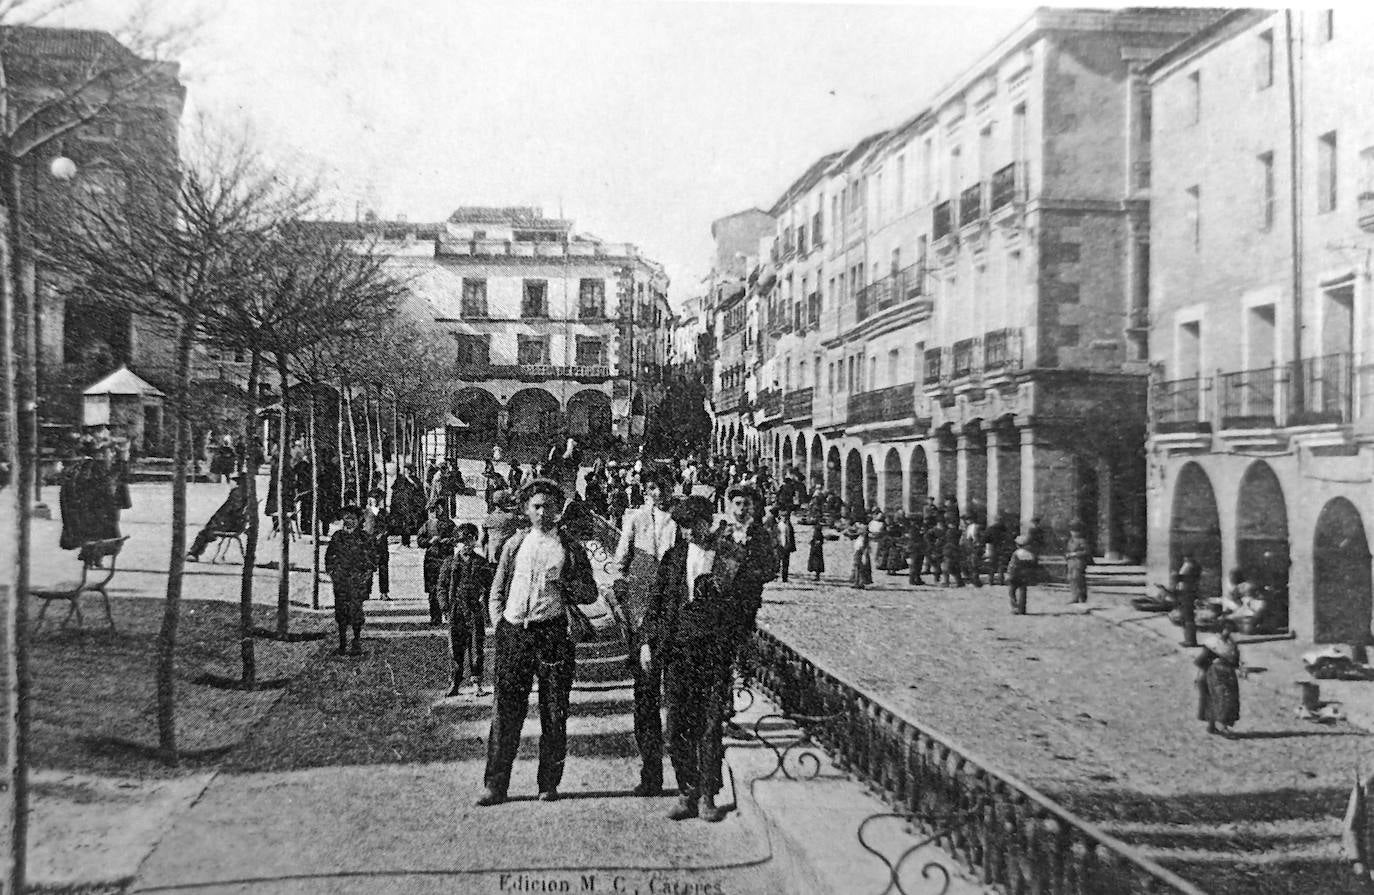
(232, 515)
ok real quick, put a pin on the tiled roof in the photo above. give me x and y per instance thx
(71, 43)
(515, 215)
(806, 181)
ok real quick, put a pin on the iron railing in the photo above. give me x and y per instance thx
(533, 371)
(892, 404)
(1002, 349)
(1326, 392)
(1179, 403)
(796, 405)
(943, 223)
(729, 399)
(893, 289)
(1249, 398)
(769, 402)
(1005, 832)
(965, 357)
(1004, 185)
(971, 204)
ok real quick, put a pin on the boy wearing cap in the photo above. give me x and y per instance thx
(350, 561)
(464, 581)
(1021, 568)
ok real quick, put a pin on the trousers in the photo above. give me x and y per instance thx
(692, 688)
(648, 691)
(467, 635)
(542, 652)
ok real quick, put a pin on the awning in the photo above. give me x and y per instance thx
(124, 382)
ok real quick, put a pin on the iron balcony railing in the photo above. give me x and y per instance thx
(769, 403)
(1249, 399)
(891, 290)
(796, 405)
(1324, 392)
(971, 204)
(1179, 404)
(965, 357)
(1005, 187)
(943, 222)
(934, 365)
(729, 399)
(892, 404)
(1006, 833)
(1002, 349)
(533, 371)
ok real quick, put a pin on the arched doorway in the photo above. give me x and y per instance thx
(799, 456)
(1196, 527)
(589, 418)
(786, 455)
(1341, 599)
(817, 471)
(892, 482)
(481, 413)
(870, 483)
(832, 470)
(1262, 538)
(919, 484)
(854, 482)
(534, 413)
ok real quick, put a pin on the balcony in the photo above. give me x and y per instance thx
(893, 289)
(796, 405)
(934, 367)
(1005, 187)
(1365, 202)
(1179, 405)
(768, 405)
(728, 399)
(943, 223)
(894, 404)
(1322, 391)
(971, 205)
(1002, 351)
(965, 357)
(1249, 399)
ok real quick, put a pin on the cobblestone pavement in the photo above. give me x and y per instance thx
(1096, 715)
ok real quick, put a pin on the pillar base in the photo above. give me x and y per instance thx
(40, 511)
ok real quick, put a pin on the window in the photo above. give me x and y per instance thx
(801, 374)
(901, 184)
(1326, 25)
(816, 229)
(787, 375)
(1195, 96)
(1326, 172)
(873, 372)
(802, 247)
(1266, 160)
(834, 218)
(591, 299)
(927, 183)
(474, 297)
(851, 375)
(1195, 214)
(473, 350)
(830, 376)
(536, 300)
(1265, 61)
(532, 350)
(878, 188)
(816, 373)
(894, 360)
(1018, 132)
(591, 352)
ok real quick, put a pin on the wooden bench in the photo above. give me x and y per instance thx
(94, 579)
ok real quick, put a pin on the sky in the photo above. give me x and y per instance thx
(641, 121)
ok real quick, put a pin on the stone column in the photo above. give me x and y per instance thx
(1107, 510)
(996, 473)
(1049, 479)
(972, 487)
(947, 469)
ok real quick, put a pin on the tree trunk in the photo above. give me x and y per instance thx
(339, 420)
(14, 582)
(285, 505)
(171, 610)
(250, 548)
(367, 433)
(314, 511)
(353, 439)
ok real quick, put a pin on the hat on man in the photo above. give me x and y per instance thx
(691, 511)
(1023, 540)
(501, 498)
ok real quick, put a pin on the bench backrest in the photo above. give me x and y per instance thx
(94, 551)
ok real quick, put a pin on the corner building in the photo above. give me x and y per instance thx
(1261, 446)
(955, 307)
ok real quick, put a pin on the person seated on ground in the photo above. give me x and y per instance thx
(232, 516)
(1242, 600)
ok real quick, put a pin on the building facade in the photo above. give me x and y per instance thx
(956, 302)
(553, 332)
(727, 308)
(1262, 416)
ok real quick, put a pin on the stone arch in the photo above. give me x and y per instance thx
(870, 483)
(786, 458)
(534, 412)
(589, 418)
(799, 455)
(816, 472)
(832, 471)
(1341, 597)
(1262, 550)
(1195, 527)
(892, 482)
(918, 486)
(478, 408)
(854, 481)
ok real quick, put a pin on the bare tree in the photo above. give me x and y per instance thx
(52, 85)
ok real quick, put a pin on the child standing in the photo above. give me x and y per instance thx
(350, 560)
(464, 581)
(377, 524)
(436, 539)
(1021, 568)
(815, 561)
(862, 574)
(787, 542)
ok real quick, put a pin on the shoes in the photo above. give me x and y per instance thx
(708, 811)
(735, 732)
(386, 596)
(453, 691)
(549, 795)
(341, 651)
(686, 807)
(191, 557)
(491, 797)
(647, 790)
(355, 649)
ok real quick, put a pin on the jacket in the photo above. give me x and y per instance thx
(724, 612)
(578, 584)
(635, 558)
(464, 581)
(350, 554)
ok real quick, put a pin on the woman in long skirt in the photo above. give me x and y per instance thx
(1217, 685)
(862, 574)
(815, 560)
